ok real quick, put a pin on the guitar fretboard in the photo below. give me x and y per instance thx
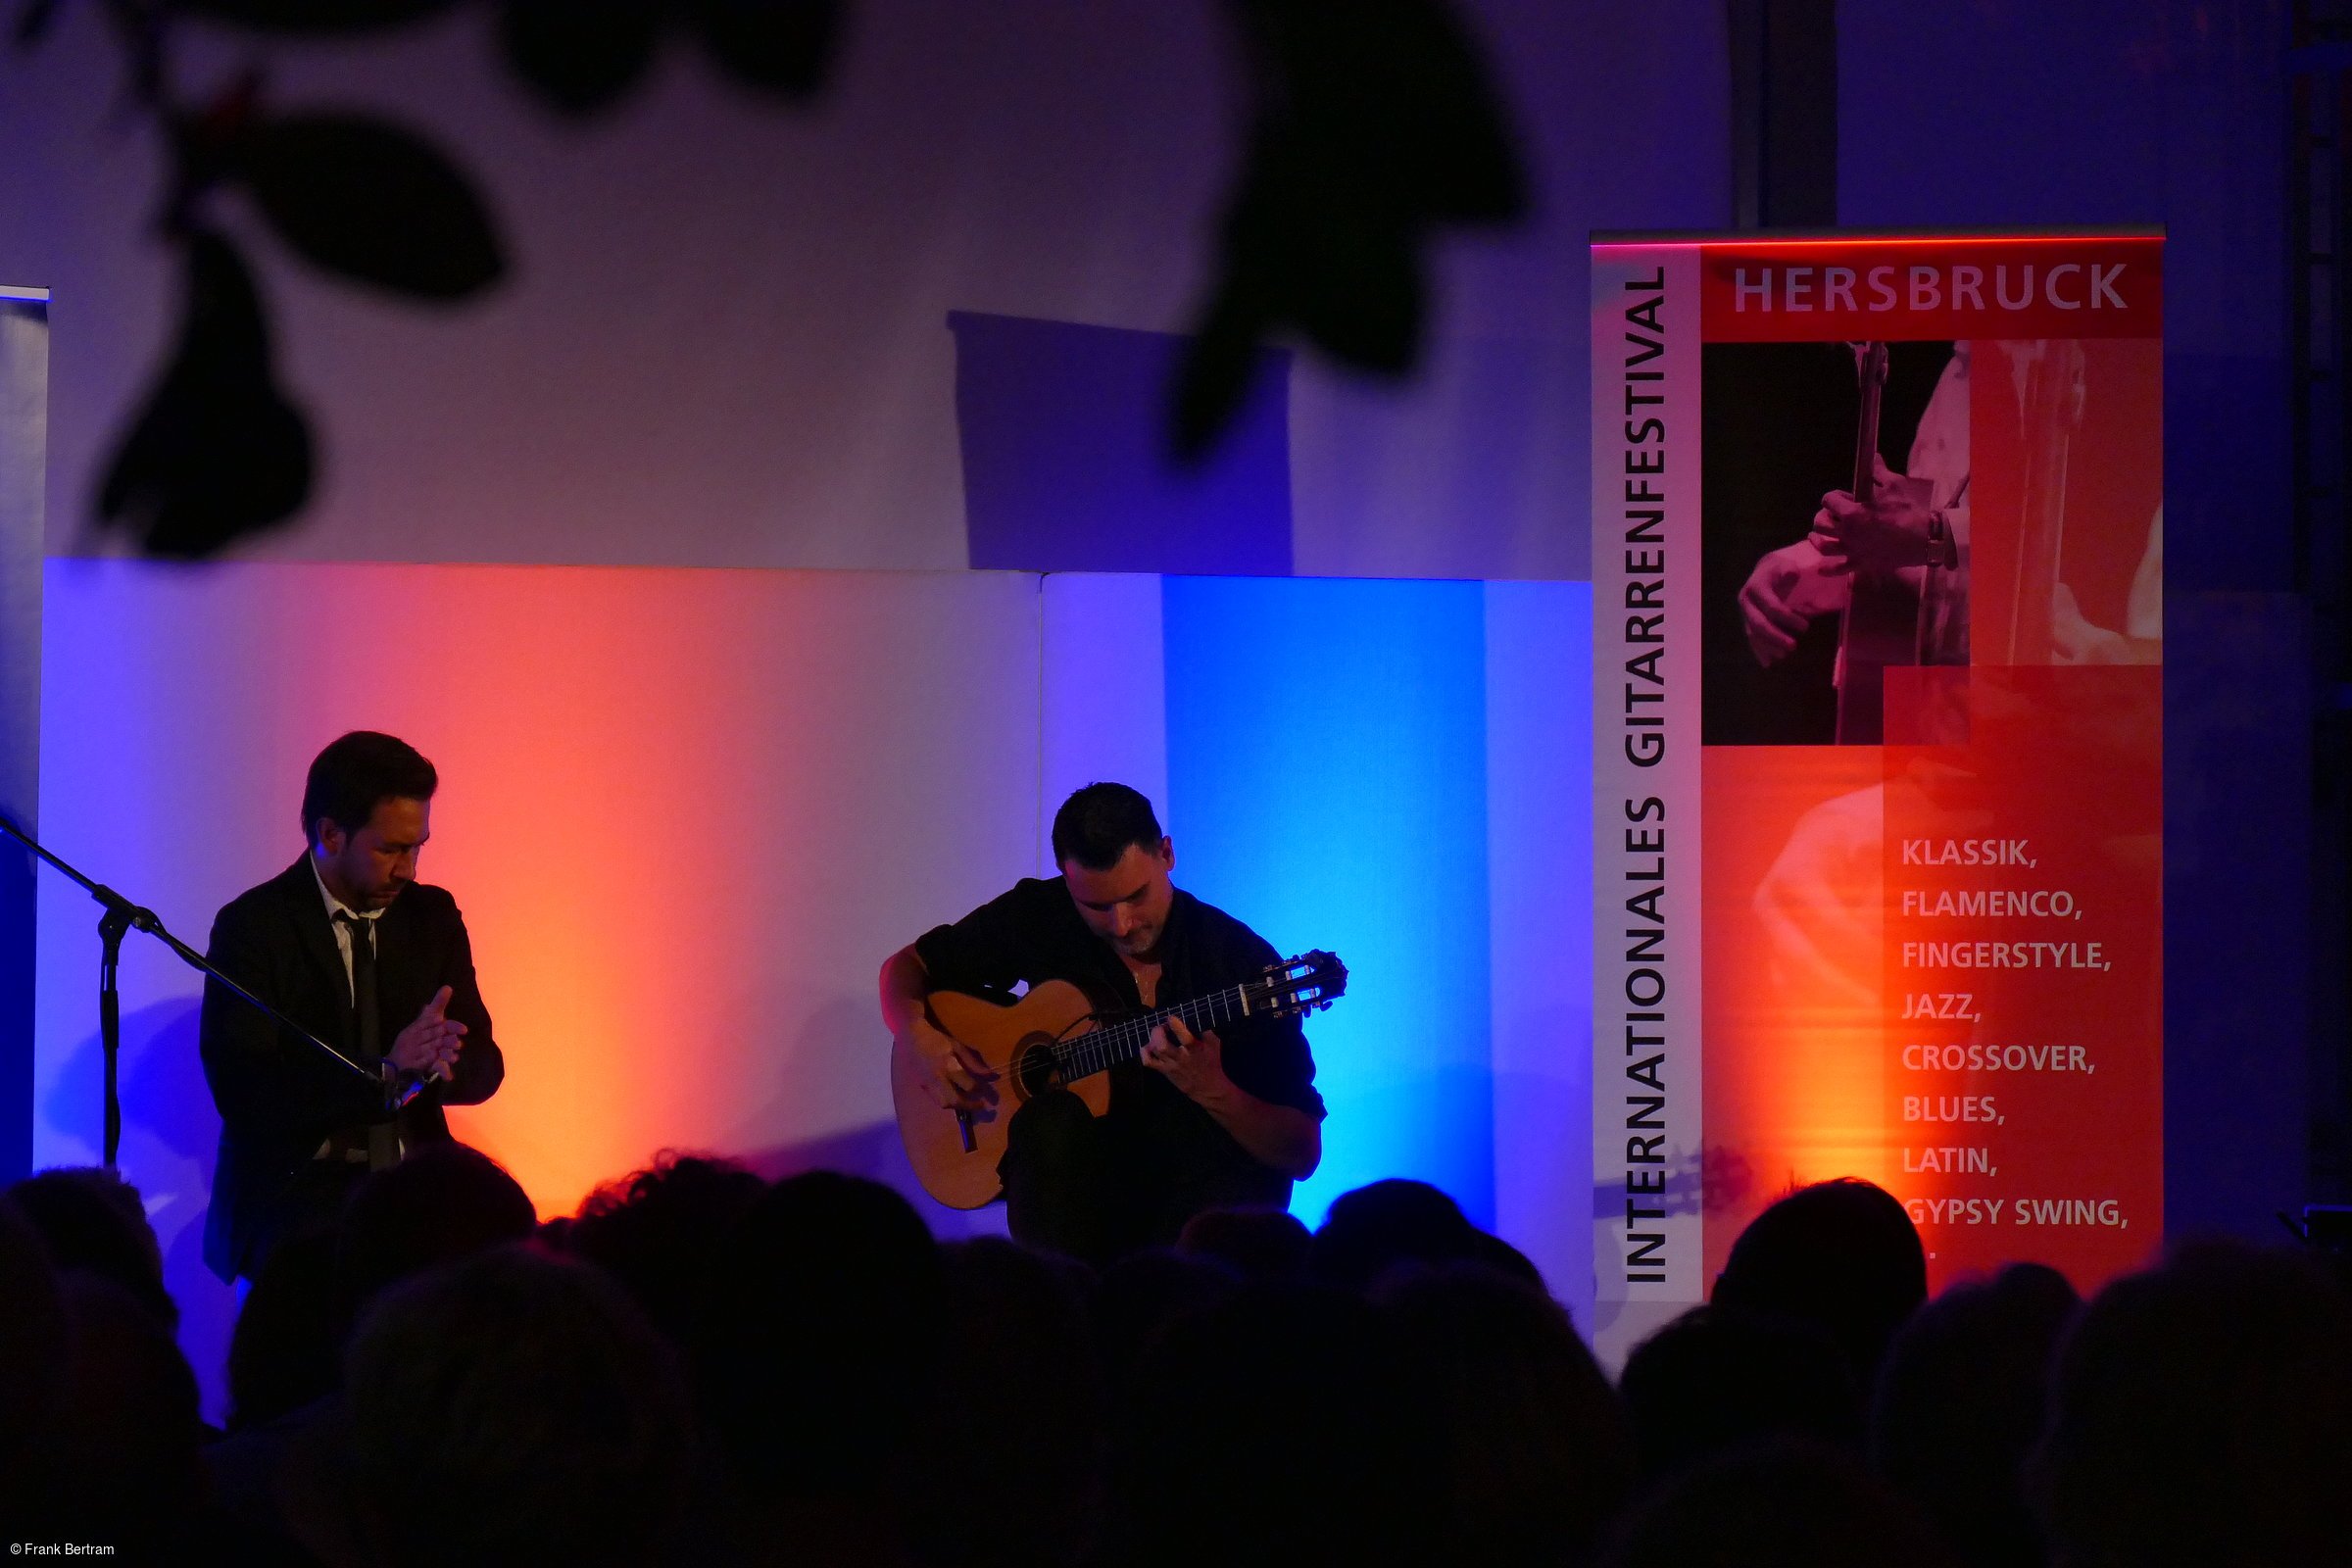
(1106, 1048)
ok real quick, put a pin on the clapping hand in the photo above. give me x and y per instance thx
(430, 1045)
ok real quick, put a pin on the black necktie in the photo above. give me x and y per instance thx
(383, 1137)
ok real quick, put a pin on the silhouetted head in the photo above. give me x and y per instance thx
(656, 1231)
(1389, 1222)
(1716, 1379)
(1257, 1243)
(822, 1336)
(1493, 1253)
(93, 1220)
(514, 1407)
(132, 1430)
(34, 1347)
(2202, 1412)
(287, 1347)
(1538, 1458)
(1269, 1428)
(1027, 1386)
(1775, 1505)
(1143, 1293)
(1842, 1256)
(1960, 1401)
(441, 1202)
(1031, 1304)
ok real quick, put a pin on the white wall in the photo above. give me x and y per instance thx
(725, 342)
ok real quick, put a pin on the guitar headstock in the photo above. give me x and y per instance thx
(1870, 364)
(1303, 984)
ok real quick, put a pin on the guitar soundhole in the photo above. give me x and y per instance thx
(1033, 1068)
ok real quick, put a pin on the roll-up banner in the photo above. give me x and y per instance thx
(1877, 570)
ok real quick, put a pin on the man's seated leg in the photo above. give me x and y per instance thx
(1058, 1179)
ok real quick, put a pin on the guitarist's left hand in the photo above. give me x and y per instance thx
(1283, 1137)
(1194, 1063)
(1886, 534)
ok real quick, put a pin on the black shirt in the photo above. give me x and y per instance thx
(1169, 1149)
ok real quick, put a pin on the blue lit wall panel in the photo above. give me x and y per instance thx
(1326, 761)
(1104, 694)
(1539, 873)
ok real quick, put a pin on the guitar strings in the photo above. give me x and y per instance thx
(1100, 1049)
(1279, 994)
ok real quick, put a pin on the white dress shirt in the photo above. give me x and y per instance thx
(336, 907)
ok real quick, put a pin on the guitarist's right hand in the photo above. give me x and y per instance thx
(955, 1078)
(1781, 598)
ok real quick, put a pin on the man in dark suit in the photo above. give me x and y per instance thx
(348, 944)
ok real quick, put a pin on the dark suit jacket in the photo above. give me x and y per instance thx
(280, 1097)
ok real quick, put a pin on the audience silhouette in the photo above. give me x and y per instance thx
(658, 1232)
(1960, 1401)
(1269, 1430)
(1257, 1244)
(1841, 1255)
(1718, 1379)
(93, 1221)
(817, 1354)
(1780, 1503)
(34, 1336)
(440, 1204)
(2202, 1412)
(529, 1413)
(701, 1366)
(1537, 1459)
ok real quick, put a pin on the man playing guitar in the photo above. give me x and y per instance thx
(1213, 1119)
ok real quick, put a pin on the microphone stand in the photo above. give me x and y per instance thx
(121, 917)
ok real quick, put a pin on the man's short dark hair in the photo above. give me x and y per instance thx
(1095, 826)
(359, 771)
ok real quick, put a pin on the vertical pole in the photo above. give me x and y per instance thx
(2319, 354)
(1784, 112)
(2331, 750)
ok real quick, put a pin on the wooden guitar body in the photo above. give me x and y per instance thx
(1013, 1042)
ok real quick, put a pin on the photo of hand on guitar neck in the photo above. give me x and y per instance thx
(1849, 521)
(1834, 496)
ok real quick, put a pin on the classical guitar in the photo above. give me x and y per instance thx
(1050, 1039)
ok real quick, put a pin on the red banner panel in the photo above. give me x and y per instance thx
(1907, 289)
(1877, 573)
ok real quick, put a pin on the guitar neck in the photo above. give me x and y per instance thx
(1866, 444)
(1101, 1050)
